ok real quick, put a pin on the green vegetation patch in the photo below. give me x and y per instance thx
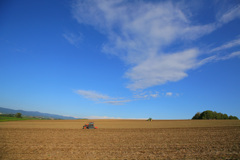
(16, 117)
(213, 115)
(3, 119)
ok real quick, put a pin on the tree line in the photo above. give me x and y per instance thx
(17, 115)
(212, 115)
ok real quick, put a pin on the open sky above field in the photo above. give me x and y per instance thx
(120, 59)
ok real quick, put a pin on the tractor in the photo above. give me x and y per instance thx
(89, 126)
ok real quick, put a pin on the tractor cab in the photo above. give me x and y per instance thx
(89, 126)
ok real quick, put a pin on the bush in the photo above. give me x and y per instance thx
(197, 115)
(18, 115)
(233, 117)
(7, 115)
(212, 115)
(207, 115)
(149, 119)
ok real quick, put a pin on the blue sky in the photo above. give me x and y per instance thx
(120, 59)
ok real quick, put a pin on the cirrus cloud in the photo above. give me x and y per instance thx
(101, 98)
(160, 69)
(140, 33)
(169, 94)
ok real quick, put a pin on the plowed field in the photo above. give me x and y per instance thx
(120, 139)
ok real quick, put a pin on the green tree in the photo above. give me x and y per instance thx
(149, 119)
(215, 115)
(212, 115)
(219, 116)
(197, 115)
(225, 116)
(18, 115)
(233, 117)
(207, 115)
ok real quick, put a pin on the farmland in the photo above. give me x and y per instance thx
(120, 139)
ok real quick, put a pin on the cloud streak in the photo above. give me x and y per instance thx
(92, 95)
(117, 102)
(160, 69)
(151, 94)
(230, 44)
(101, 98)
(169, 94)
(74, 39)
(230, 15)
(102, 117)
(141, 32)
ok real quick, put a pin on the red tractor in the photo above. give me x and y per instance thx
(89, 126)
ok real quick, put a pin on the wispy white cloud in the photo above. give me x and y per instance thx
(101, 98)
(216, 58)
(230, 44)
(141, 95)
(74, 39)
(228, 56)
(106, 117)
(151, 94)
(169, 94)
(159, 69)
(221, 49)
(102, 117)
(117, 102)
(207, 60)
(154, 95)
(139, 32)
(230, 15)
(92, 95)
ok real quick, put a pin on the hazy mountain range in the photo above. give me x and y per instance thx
(34, 114)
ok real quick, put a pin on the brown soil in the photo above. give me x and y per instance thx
(68, 142)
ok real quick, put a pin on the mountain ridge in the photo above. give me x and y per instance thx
(34, 114)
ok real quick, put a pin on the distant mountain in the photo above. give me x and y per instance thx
(33, 113)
